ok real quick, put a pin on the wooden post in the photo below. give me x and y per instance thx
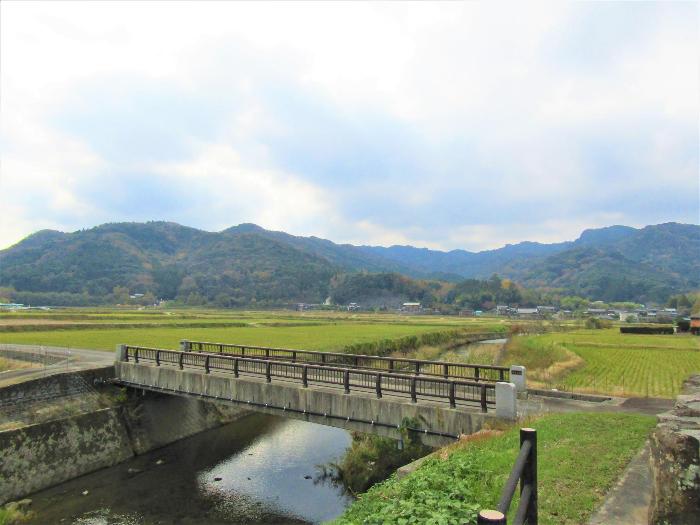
(157, 357)
(489, 517)
(182, 355)
(417, 367)
(235, 368)
(483, 398)
(268, 375)
(476, 373)
(136, 354)
(453, 403)
(346, 381)
(446, 371)
(206, 364)
(305, 375)
(378, 386)
(414, 396)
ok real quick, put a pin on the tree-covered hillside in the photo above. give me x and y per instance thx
(247, 265)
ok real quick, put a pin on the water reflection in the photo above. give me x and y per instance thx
(256, 470)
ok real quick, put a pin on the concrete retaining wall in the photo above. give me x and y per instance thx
(38, 456)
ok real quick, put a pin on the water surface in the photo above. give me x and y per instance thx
(267, 470)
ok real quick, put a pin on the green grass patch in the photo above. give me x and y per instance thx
(608, 362)
(580, 457)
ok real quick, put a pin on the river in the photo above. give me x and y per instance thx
(259, 469)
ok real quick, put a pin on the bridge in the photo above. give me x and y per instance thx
(364, 393)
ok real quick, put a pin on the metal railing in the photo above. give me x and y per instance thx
(415, 387)
(444, 369)
(525, 471)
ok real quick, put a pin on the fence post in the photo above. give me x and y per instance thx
(529, 475)
(136, 354)
(477, 371)
(417, 367)
(180, 360)
(453, 403)
(487, 517)
(268, 375)
(157, 357)
(305, 375)
(483, 398)
(414, 396)
(501, 375)
(294, 356)
(235, 367)
(206, 364)
(346, 381)
(446, 370)
(379, 386)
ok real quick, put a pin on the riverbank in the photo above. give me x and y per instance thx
(468, 476)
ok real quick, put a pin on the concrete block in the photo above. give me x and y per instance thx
(517, 377)
(120, 354)
(506, 401)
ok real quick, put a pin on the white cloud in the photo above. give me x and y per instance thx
(507, 82)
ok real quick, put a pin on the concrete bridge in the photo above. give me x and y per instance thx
(377, 400)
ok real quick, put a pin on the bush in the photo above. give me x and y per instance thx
(683, 325)
(650, 330)
(597, 324)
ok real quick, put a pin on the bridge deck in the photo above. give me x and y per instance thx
(417, 389)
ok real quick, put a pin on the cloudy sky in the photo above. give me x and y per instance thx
(447, 125)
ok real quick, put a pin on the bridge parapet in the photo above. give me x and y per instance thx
(445, 369)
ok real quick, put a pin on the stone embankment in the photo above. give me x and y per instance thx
(675, 460)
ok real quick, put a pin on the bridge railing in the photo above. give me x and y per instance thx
(525, 471)
(447, 370)
(351, 379)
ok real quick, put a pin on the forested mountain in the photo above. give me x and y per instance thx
(247, 264)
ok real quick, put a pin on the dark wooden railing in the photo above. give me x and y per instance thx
(351, 379)
(525, 471)
(444, 369)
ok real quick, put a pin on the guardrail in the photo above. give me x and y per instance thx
(350, 379)
(444, 369)
(525, 471)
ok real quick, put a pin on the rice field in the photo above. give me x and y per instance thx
(606, 361)
(285, 329)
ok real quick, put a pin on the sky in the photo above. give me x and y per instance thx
(446, 125)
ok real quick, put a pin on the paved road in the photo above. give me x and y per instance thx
(59, 360)
(536, 404)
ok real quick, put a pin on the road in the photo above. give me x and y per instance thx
(61, 360)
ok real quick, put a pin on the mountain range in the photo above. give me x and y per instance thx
(247, 264)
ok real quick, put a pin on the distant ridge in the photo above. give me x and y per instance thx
(248, 264)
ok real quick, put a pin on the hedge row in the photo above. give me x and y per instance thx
(406, 344)
(646, 330)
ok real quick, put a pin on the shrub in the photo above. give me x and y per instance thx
(649, 330)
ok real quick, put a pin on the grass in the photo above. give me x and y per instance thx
(580, 456)
(608, 362)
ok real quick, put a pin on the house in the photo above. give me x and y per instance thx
(546, 310)
(528, 313)
(466, 313)
(502, 309)
(695, 324)
(353, 306)
(410, 307)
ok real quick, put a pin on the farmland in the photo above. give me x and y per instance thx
(332, 331)
(608, 362)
